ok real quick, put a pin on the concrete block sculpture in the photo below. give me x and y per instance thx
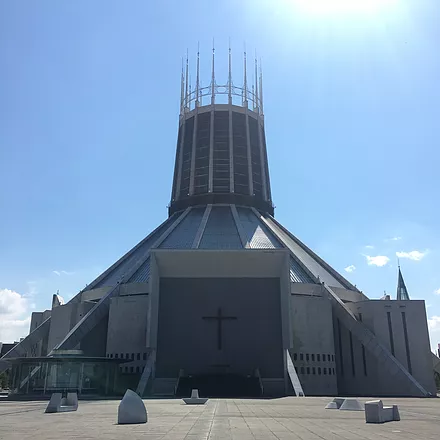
(71, 401)
(131, 410)
(336, 403)
(352, 405)
(195, 399)
(59, 404)
(54, 403)
(375, 412)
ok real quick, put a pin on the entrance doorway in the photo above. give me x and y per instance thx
(220, 385)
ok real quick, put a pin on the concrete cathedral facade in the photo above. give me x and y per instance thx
(221, 296)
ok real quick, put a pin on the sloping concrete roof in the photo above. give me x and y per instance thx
(219, 227)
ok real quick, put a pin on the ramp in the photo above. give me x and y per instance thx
(87, 323)
(94, 316)
(148, 370)
(373, 345)
(294, 379)
(26, 344)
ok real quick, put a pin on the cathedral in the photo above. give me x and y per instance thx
(221, 296)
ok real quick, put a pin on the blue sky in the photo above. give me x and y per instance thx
(89, 101)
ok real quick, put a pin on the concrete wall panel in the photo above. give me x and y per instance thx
(313, 345)
(127, 326)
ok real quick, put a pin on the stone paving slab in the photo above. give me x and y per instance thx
(220, 419)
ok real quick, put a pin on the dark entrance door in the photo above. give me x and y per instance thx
(219, 329)
(220, 385)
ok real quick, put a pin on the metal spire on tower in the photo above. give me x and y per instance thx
(261, 90)
(186, 80)
(257, 104)
(182, 91)
(402, 291)
(198, 75)
(245, 100)
(189, 95)
(201, 94)
(213, 76)
(230, 76)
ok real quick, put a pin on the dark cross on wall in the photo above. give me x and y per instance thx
(219, 318)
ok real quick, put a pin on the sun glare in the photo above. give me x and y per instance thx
(337, 7)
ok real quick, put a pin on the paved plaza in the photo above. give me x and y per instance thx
(286, 418)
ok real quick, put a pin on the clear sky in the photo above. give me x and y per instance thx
(89, 102)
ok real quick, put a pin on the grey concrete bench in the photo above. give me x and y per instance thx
(375, 412)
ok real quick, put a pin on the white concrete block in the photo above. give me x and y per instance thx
(352, 405)
(335, 403)
(71, 401)
(195, 399)
(54, 403)
(131, 409)
(396, 414)
(375, 412)
(332, 405)
(59, 404)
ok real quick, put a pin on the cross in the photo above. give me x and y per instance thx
(219, 318)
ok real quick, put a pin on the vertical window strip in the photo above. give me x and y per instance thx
(405, 334)
(390, 331)
(352, 355)
(364, 360)
(340, 348)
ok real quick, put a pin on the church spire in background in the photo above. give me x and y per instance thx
(402, 292)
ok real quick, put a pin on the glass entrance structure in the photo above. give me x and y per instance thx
(47, 375)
